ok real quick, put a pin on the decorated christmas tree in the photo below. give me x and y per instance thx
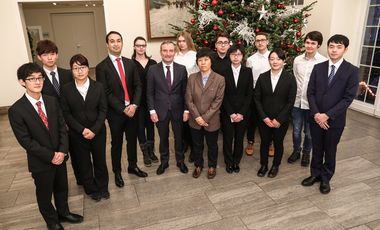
(242, 19)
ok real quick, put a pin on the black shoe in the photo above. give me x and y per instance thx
(305, 161)
(138, 172)
(324, 187)
(236, 168)
(273, 171)
(71, 218)
(294, 157)
(95, 196)
(191, 158)
(153, 157)
(119, 180)
(262, 171)
(55, 226)
(310, 181)
(147, 161)
(161, 168)
(105, 195)
(229, 169)
(182, 167)
(150, 148)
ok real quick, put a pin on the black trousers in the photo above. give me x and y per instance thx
(187, 138)
(325, 143)
(163, 132)
(120, 125)
(252, 123)
(74, 163)
(145, 125)
(233, 140)
(91, 156)
(268, 135)
(212, 145)
(48, 183)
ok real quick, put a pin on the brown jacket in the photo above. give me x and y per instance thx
(205, 101)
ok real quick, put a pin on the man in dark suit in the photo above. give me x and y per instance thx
(332, 88)
(39, 127)
(122, 85)
(235, 108)
(166, 87)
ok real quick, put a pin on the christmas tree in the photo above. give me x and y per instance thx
(242, 19)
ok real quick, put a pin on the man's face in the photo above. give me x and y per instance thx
(336, 51)
(167, 53)
(48, 60)
(114, 44)
(33, 83)
(222, 45)
(311, 46)
(261, 43)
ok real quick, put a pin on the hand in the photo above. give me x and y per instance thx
(201, 122)
(185, 116)
(276, 123)
(58, 158)
(130, 110)
(268, 122)
(154, 117)
(233, 117)
(88, 134)
(239, 117)
(324, 125)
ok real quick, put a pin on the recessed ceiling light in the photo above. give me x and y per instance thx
(94, 4)
(54, 3)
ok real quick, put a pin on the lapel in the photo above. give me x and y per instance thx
(30, 110)
(280, 82)
(240, 78)
(175, 75)
(77, 94)
(230, 77)
(325, 74)
(209, 82)
(125, 64)
(338, 74)
(162, 76)
(114, 71)
(49, 84)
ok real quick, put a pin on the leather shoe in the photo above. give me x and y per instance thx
(324, 187)
(105, 195)
(95, 196)
(310, 181)
(305, 161)
(161, 169)
(197, 172)
(294, 157)
(236, 168)
(71, 218)
(57, 226)
(211, 173)
(229, 169)
(182, 167)
(138, 172)
(119, 180)
(273, 171)
(262, 171)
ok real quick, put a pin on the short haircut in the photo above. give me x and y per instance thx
(280, 53)
(263, 34)
(339, 39)
(165, 43)
(188, 39)
(113, 32)
(314, 36)
(235, 48)
(204, 52)
(46, 46)
(27, 69)
(223, 35)
(78, 59)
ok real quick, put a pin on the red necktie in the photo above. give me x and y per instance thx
(122, 77)
(42, 115)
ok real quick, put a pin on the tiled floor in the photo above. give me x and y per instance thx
(238, 201)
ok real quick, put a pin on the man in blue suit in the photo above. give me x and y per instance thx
(332, 88)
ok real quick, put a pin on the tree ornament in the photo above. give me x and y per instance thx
(296, 20)
(220, 12)
(215, 27)
(298, 34)
(257, 30)
(238, 42)
(214, 2)
(298, 50)
(289, 46)
(262, 12)
(193, 21)
(205, 43)
(204, 6)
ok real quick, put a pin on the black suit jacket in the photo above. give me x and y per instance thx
(333, 99)
(237, 99)
(107, 74)
(65, 77)
(278, 104)
(158, 95)
(89, 113)
(39, 142)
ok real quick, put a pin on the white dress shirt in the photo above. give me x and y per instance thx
(34, 101)
(114, 62)
(302, 68)
(259, 64)
(83, 89)
(55, 70)
(337, 65)
(187, 59)
(166, 71)
(236, 72)
(274, 79)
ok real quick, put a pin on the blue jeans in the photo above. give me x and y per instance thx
(301, 118)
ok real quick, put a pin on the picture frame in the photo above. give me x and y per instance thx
(161, 13)
(34, 36)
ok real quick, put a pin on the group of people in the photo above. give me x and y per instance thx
(197, 93)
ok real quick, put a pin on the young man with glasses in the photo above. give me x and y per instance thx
(221, 60)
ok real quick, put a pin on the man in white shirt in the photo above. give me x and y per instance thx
(302, 67)
(259, 64)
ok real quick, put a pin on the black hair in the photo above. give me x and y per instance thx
(204, 52)
(280, 53)
(46, 46)
(339, 39)
(314, 36)
(113, 32)
(235, 48)
(134, 43)
(27, 69)
(78, 59)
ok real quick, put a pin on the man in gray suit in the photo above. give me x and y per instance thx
(166, 87)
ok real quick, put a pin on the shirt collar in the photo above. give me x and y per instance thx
(277, 75)
(85, 85)
(32, 100)
(265, 55)
(337, 64)
(113, 57)
(164, 65)
(55, 70)
(317, 56)
(236, 69)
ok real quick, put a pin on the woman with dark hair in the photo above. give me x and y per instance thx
(204, 96)
(84, 106)
(145, 125)
(275, 93)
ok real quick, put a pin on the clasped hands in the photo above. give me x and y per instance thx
(272, 123)
(201, 122)
(236, 117)
(321, 119)
(58, 158)
(130, 110)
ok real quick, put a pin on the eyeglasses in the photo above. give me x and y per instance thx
(223, 43)
(236, 54)
(140, 46)
(81, 68)
(261, 41)
(35, 79)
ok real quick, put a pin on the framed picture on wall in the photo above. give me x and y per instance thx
(34, 36)
(161, 13)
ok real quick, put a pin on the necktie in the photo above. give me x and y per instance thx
(123, 81)
(42, 115)
(332, 73)
(55, 82)
(168, 77)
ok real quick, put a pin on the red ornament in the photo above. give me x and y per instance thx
(257, 30)
(204, 6)
(205, 43)
(214, 2)
(215, 27)
(298, 50)
(238, 42)
(296, 20)
(280, 6)
(198, 33)
(220, 12)
(289, 46)
(193, 21)
(298, 34)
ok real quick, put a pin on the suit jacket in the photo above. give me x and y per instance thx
(143, 71)
(39, 142)
(333, 99)
(160, 98)
(89, 113)
(278, 104)
(205, 101)
(237, 98)
(65, 77)
(107, 74)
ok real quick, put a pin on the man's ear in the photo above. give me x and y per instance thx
(39, 58)
(21, 82)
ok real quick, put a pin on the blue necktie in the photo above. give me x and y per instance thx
(55, 82)
(331, 75)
